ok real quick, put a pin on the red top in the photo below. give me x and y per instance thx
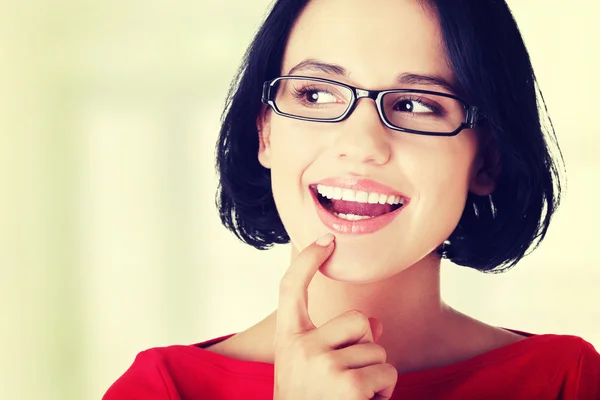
(539, 367)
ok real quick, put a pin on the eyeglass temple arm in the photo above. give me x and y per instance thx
(474, 116)
(265, 92)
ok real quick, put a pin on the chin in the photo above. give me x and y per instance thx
(345, 265)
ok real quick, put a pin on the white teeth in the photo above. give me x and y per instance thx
(361, 197)
(336, 193)
(348, 195)
(373, 198)
(351, 217)
(330, 191)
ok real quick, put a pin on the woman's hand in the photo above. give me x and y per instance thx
(337, 361)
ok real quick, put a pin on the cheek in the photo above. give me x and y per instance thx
(294, 148)
(440, 174)
(445, 166)
(293, 144)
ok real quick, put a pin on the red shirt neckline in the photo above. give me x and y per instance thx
(266, 370)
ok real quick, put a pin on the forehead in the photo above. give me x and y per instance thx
(374, 40)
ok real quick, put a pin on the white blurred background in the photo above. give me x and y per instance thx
(109, 239)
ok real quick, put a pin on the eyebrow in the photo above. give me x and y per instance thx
(315, 65)
(402, 79)
(426, 80)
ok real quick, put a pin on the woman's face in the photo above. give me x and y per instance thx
(374, 42)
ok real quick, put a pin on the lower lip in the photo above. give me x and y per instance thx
(362, 226)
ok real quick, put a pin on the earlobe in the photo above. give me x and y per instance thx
(485, 174)
(482, 184)
(264, 145)
(486, 169)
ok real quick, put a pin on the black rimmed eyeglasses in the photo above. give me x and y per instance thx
(415, 111)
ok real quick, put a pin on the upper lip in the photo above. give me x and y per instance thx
(359, 184)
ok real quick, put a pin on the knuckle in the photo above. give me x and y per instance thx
(354, 380)
(287, 284)
(353, 395)
(359, 319)
(390, 372)
(380, 353)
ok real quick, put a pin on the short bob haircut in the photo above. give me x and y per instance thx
(492, 66)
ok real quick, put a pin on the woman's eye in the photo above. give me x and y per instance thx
(412, 106)
(319, 96)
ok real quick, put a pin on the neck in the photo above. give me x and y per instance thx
(400, 301)
(415, 321)
(407, 304)
(419, 330)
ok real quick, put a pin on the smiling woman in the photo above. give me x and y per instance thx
(377, 153)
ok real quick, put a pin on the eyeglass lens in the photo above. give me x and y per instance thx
(328, 101)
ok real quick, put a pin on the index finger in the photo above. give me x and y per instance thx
(292, 311)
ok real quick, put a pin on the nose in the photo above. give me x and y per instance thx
(364, 138)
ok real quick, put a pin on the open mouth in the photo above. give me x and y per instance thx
(356, 206)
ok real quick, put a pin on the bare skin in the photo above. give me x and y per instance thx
(438, 335)
(256, 344)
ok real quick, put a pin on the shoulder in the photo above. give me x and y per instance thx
(150, 376)
(587, 371)
(570, 348)
(563, 349)
(577, 366)
(554, 366)
(189, 371)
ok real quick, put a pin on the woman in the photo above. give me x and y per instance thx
(397, 132)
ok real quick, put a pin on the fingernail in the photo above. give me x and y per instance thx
(325, 240)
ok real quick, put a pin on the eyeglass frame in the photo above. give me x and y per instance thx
(473, 116)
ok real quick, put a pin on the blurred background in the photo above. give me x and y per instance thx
(109, 239)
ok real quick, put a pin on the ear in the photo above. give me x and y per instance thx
(485, 172)
(264, 131)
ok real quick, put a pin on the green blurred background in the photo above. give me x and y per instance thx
(109, 239)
